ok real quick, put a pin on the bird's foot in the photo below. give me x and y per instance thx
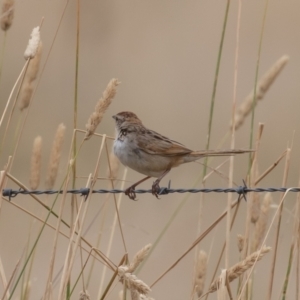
(155, 188)
(130, 192)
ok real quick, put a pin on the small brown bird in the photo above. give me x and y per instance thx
(151, 153)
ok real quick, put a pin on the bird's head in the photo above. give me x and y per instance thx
(126, 118)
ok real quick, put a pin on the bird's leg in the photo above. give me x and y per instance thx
(155, 186)
(130, 191)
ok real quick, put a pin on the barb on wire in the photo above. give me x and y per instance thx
(241, 190)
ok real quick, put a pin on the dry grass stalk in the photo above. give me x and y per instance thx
(30, 76)
(55, 156)
(35, 169)
(3, 178)
(279, 216)
(262, 87)
(260, 227)
(271, 168)
(112, 232)
(255, 197)
(84, 295)
(114, 165)
(75, 235)
(6, 293)
(200, 274)
(241, 267)
(135, 295)
(27, 290)
(3, 278)
(7, 14)
(251, 205)
(121, 295)
(296, 239)
(196, 242)
(222, 291)
(138, 258)
(240, 242)
(101, 108)
(33, 43)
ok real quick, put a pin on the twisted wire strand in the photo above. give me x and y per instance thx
(241, 190)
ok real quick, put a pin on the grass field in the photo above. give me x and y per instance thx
(211, 75)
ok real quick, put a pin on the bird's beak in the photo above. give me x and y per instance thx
(114, 117)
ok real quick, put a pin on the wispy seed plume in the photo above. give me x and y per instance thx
(138, 258)
(135, 295)
(36, 158)
(133, 283)
(241, 267)
(7, 14)
(200, 274)
(84, 295)
(101, 107)
(55, 156)
(33, 43)
(30, 76)
(262, 87)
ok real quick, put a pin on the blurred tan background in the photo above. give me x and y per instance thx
(164, 53)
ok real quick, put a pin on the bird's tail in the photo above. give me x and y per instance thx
(205, 153)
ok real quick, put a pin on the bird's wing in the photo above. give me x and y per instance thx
(154, 143)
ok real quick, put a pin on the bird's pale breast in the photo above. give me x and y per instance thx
(132, 156)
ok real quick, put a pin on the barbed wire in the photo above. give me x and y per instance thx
(241, 190)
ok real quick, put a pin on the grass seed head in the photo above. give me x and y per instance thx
(7, 14)
(138, 258)
(33, 43)
(262, 87)
(36, 159)
(30, 76)
(84, 295)
(101, 107)
(200, 274)
(55, 156)
(241, 267)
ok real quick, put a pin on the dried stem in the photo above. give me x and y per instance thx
(194, 244)
(284, 181)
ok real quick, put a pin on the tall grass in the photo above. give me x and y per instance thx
(90, 251)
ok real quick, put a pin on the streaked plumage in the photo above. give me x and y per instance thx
(151, 153)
